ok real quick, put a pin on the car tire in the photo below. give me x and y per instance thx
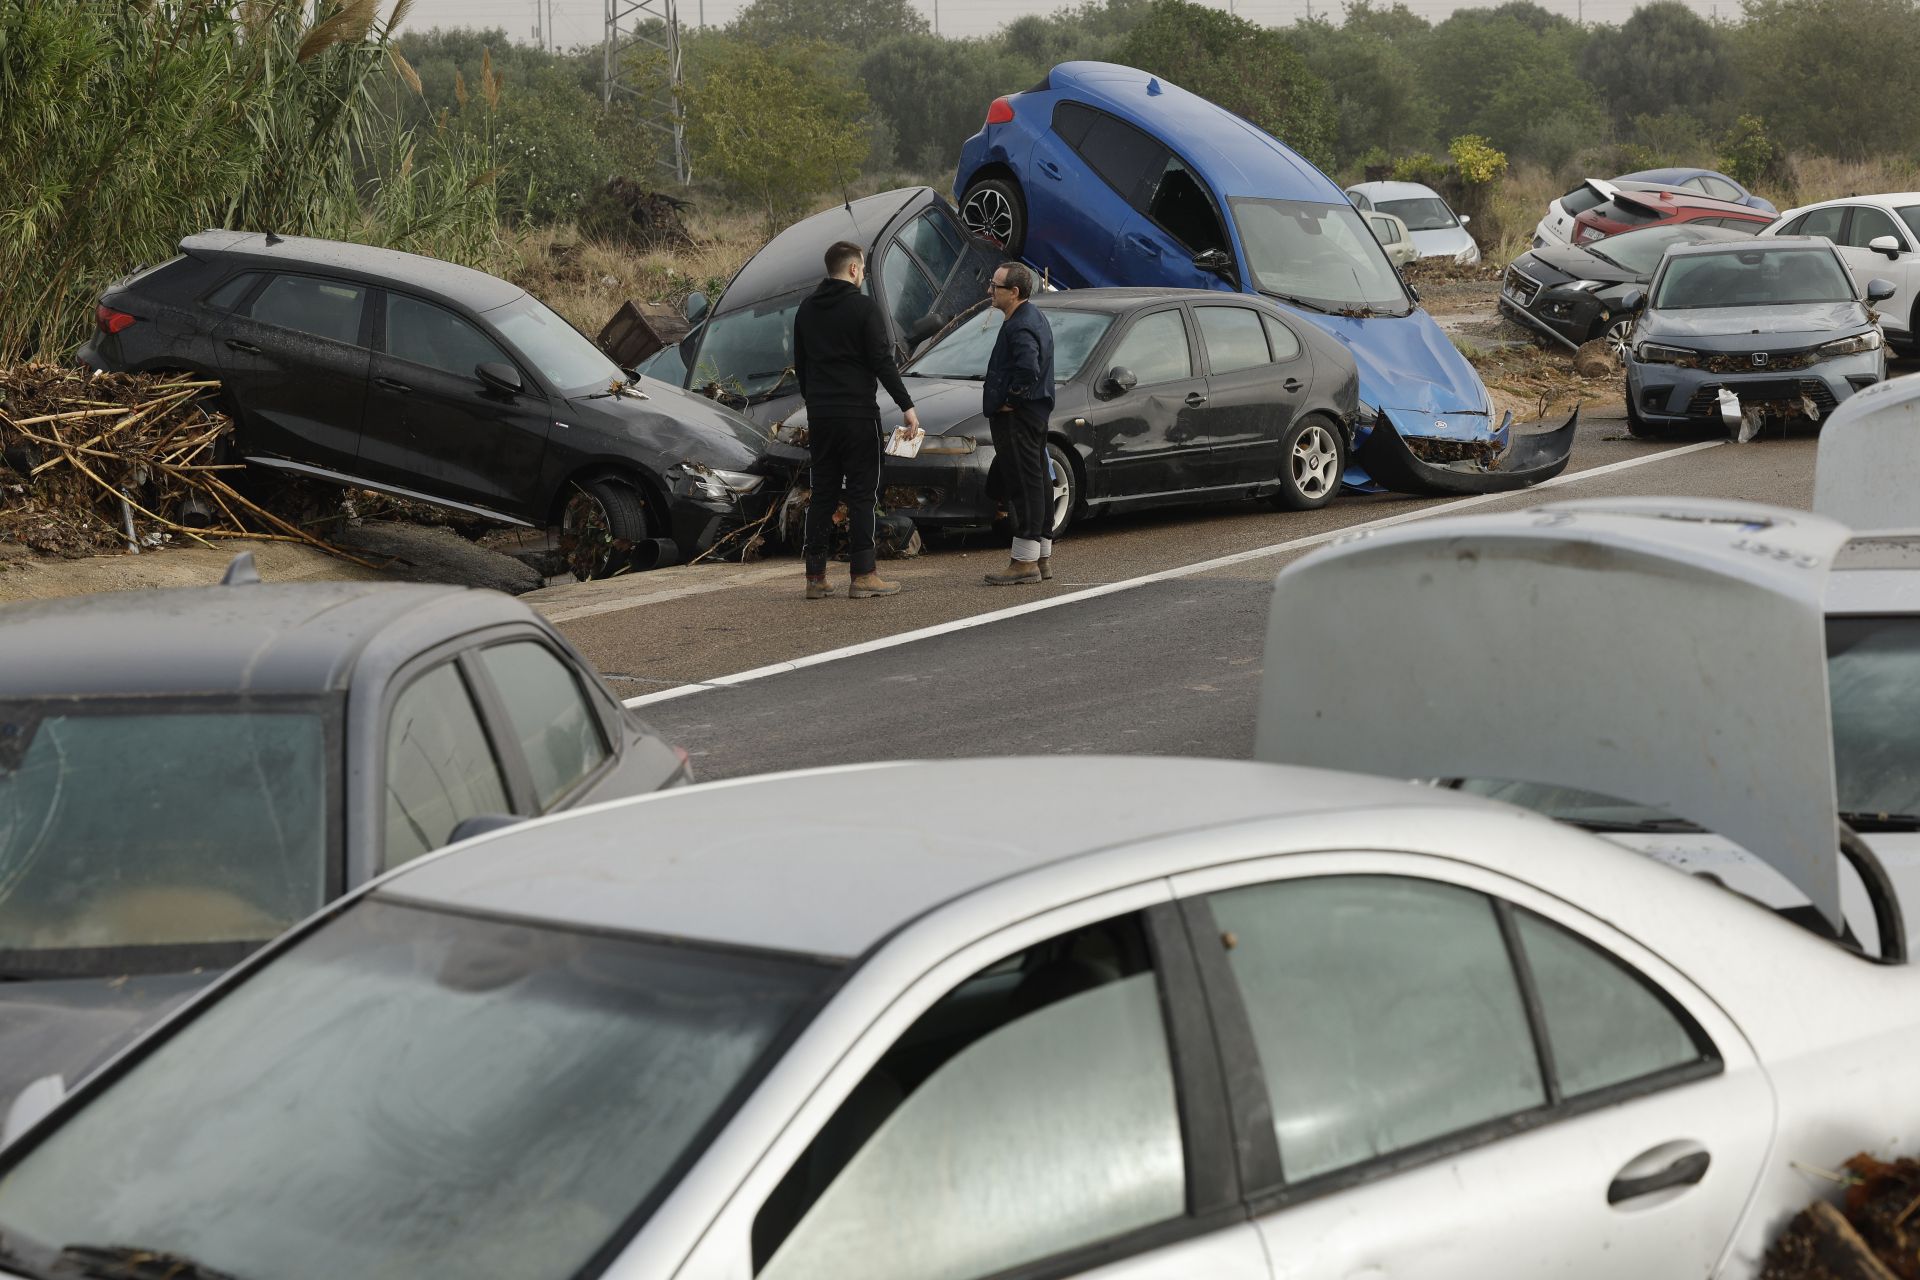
(1637, 426)
(1615, 336)
(599, 523)
(1066, 488)
(993, 210)
(1313, 457)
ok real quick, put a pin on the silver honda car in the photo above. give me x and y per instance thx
(1749, 334)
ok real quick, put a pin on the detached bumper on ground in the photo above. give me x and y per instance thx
(1500, 462)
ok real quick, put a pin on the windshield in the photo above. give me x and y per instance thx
(410, 1093)
(749, 352)
(1640, 251)
(156, 828)
(1428, 213)
(564, 356)
(963, 352)
(1320, 255)
(1752, 278)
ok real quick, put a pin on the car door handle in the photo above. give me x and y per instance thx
(391, 385)
(1143, 244)
(247, 347)
(1051, 169)
(1195, 399)
(1293, 384)
(1682, 1171)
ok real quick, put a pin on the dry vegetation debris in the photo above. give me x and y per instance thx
(1874, 1235)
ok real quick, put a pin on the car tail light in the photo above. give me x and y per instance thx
(999, 111)
(109, 320)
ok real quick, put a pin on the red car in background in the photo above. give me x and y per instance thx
(1629, 209)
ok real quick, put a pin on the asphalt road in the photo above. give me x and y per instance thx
(1168, 666)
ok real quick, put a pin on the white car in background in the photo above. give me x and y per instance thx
(1556, 227)
(1393, 237)
(1877, 236)
(1438, 232)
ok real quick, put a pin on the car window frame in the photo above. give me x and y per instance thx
(239, 308)
(1214, 1196)
(1853, 216)
(528, 380)
(1229, 302)
(896, 327)
(369, 292)
(898, 235)
(611, 740)
(1268, 1189)
(1123, 328)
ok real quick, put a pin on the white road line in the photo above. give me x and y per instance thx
(1164, 575)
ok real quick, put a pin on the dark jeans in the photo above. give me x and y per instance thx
(846, 458)
(1020, 455)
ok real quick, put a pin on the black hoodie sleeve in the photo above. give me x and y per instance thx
(800, 349)
(880, 353)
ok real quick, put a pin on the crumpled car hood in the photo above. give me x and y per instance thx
(1734, 328)
(693, 412)
(1571, 264)
(947, 406)
(1406, 362)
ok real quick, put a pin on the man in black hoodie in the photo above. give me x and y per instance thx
(840, 351)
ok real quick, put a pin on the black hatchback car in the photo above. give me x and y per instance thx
(390, 371)
(184, 774)
(923, 267)
(1161, 396)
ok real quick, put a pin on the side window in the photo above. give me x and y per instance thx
(324, 308)
(1869, 223)
(229, 295)
(422, 333)
(1386, 1013)
(1793, 228)
(440, 768)
(1605, 1025)
(935, 242)
(1180, 204)
(1122, 155)
(909, 294)
(1233, 338)
(1696, 183)
(1823, 222)
(558, 732)
(1360, 201)
(1071, 121)
(1029, 1112)
(1155, 349)
(1282, 339)
(1721, 189)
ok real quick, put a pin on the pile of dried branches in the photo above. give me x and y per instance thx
(93, 463)
(1876, 1236)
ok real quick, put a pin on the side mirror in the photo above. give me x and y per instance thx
(1632, 300)
(1885, 244)
(1120, 380)
(479, 824)
(1216, 261)
(1879, 290)
(1464, 219)
(500, 377)
(696, 306)
(925, 327)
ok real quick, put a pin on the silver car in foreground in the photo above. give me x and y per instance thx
(1748, 333)
(1127, 1018)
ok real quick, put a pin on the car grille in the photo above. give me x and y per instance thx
(1520, 287)
(1440, 452)
(1705, 402)
(1756, 361)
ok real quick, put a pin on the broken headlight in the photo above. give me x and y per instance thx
(1859, 342)
(948, 445)
(1654, 353)
(711, 482)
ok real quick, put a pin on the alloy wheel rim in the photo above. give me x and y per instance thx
(1617, 339)
(989, 215)
(1314, 459)
(1062, 492)
(586, 535)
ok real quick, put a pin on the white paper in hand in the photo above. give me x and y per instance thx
(905, 442)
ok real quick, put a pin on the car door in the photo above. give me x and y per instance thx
(1870, 223)
(1148, 437)
(1043, 1104)
(1446, 1053)
(294, 361)
(439, 766)
(434, 427)
(1171, 221)
(1081, 176)
(958, 265)
(1253, 391)
(907, 292)
(535, 701)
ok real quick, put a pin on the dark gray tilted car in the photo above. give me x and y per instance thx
(183, 774)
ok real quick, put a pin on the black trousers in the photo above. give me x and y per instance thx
(846, 461)
(1020, 454)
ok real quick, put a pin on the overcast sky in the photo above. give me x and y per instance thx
(584, 21)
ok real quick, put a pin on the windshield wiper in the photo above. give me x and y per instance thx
(1883, 822)
(1299, 302)
(1642, 826)
(129, 1262)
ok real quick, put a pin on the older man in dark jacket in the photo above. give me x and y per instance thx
(1017, 398)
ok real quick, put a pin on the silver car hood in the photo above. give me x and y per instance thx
(1669, 652)
(1733, 328)
(1867, 469)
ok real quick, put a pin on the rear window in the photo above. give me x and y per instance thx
(1625, 214)
(1579, 200)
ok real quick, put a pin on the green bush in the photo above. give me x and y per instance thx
(1421, 168)
(1476, 160)
(1748, 154)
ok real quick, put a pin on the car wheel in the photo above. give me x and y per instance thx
(1638, 426)
(993, 210)
(598, 527)
(1065, 487)
(1313, 457)
(1616, 339)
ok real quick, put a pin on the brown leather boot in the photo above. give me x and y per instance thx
(1046, 567)
(871, 584)
(817, 588)
(1018, 571)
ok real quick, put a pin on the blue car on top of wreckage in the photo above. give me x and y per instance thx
(1104, 175)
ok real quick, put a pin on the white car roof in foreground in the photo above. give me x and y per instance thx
(1866, 470)
(829, 862)
(1670, 652)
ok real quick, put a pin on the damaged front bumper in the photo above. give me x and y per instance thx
(1401, 458)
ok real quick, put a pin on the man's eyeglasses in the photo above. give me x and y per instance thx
(995, 284)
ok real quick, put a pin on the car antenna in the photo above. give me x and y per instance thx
(240, 571)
